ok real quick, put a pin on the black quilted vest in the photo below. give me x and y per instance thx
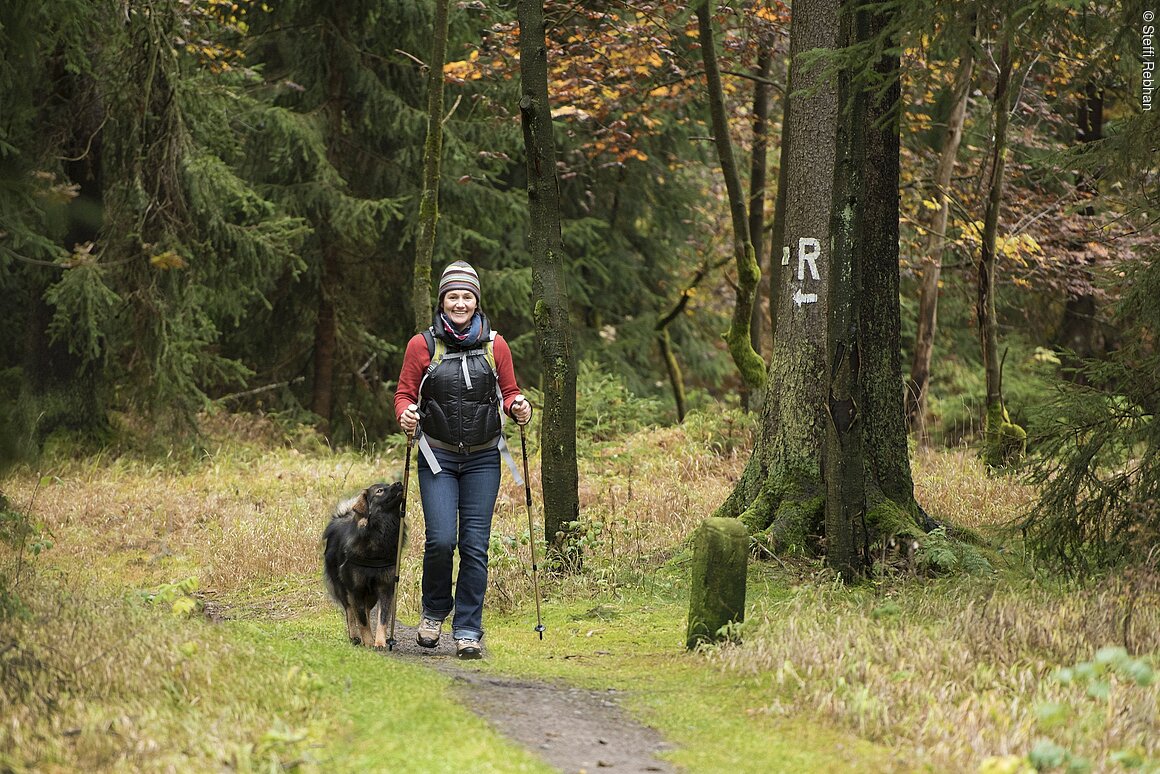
(453, 412)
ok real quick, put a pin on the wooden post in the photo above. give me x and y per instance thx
(717, 593)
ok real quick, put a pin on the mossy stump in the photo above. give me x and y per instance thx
(717, 590)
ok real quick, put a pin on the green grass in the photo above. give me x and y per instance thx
(97, 681)
(382, 713)
(634, 643)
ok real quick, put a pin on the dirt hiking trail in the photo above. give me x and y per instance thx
(577, 731)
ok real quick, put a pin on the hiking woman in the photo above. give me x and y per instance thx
(457, 406)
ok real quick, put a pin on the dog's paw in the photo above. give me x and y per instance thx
(356, 641)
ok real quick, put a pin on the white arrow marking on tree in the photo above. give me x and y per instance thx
(808, 251)
(800, 298)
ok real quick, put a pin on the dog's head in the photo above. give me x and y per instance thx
(382, 501)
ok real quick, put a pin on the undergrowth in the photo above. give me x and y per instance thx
(966, 670)
(956, 668)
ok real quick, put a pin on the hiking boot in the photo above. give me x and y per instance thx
(468, 647)
(429, 631)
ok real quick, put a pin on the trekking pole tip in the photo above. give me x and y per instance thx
(540, 630)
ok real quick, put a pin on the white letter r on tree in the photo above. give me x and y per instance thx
(808, 251)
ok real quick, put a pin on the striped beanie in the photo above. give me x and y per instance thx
(459, 276)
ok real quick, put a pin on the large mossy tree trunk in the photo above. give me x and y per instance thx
(749, 363)
(836, 366)
(560, 477)
(916, 385)
(781, 492)
(890, 505)
(432, 157)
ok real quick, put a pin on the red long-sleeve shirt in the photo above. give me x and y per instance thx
(415, 362)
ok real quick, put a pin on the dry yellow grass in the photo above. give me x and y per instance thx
(246, 520)
(957, 672)
(961, 670)
(954, 485)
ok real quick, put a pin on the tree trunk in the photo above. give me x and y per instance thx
(432, 156)
(1079, 334)
(560, 478)
(777, 231)
(673, 368)
(843, 466)
(883, 412)
(831, 456)
(866, 465)
(935, 245)
(329, 281)
(781, 492)
(748, 362)
(325, 338)
(985, 301)
(757, 174)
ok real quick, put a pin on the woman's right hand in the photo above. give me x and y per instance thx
(409, 419)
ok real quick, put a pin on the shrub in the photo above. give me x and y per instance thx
(606, 409)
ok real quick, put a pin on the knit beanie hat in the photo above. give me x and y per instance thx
(459, 276)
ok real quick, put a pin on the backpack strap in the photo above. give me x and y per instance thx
(436, 349)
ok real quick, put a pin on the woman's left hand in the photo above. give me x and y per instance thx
(521, 410)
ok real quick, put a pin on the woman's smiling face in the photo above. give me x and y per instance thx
(459, 306)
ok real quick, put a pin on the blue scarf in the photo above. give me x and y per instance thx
(467, 338)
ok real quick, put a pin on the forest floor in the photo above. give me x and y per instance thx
(170, 616)
(573, 729)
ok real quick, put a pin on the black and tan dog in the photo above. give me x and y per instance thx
(361, 558)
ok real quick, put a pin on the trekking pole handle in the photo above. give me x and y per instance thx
(521, 401)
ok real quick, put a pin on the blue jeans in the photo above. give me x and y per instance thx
(457, 510)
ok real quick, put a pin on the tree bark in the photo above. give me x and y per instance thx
(748, 362)
(758, 165)
(843, 466)
(985, 300)
(777, 231)
(560, 477)
(673, 368)
(935, 245)
(880, 327)
(831, 457)
(781, 493)
(432, 157)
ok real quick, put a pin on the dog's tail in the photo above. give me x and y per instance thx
(356, 505)
(331, 539)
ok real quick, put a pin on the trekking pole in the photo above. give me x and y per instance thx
(402, 534)
(531, 532)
